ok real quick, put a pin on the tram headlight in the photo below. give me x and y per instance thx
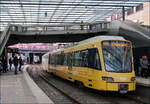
(132, 79)
(108, 79)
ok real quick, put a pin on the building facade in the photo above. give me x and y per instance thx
(139, 14)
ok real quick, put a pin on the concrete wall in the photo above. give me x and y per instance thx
(146, 15)
(136, 17)
(142, 16)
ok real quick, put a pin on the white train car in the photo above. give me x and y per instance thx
(45, 61)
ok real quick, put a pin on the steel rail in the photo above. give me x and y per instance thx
(42, 76)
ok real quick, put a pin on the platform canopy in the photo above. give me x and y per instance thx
(28, 12)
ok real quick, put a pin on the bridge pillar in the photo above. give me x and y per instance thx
(123, 13)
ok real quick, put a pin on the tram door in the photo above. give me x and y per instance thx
(70, 59)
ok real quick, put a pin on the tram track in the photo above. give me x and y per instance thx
(131, 97)
(137, 99)
(57, 96)
(73, 100)
(85, 95)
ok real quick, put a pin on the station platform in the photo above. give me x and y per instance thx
(143, 81)
(21, 89)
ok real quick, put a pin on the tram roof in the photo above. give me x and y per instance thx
(101, 38)
(91, 40)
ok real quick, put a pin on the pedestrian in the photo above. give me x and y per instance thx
(20, 63)
(15, 61)
(137, 67)
(1, 65)
(4, 61)
(144, 66)
(10, 63)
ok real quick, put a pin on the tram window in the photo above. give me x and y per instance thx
(77, 59)
(49, 59)
(52, 60)
(97, 61)
(84, 58)
(65, 59)
(68, 57)
(55, 58)
(94, 59)
(61, 59)
(74, 59)
(70, 61)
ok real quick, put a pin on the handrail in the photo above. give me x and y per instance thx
(64, 27)
(3, 38)
(3, 34)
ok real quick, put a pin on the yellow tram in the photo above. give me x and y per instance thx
(102, 63)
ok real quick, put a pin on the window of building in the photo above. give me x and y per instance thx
(140, 7)
(130, 11)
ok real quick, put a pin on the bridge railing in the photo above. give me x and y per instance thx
(96, 27)
(63, 28)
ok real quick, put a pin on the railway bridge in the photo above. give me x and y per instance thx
(139, 35)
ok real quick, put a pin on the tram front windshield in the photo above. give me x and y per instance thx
(117, 56)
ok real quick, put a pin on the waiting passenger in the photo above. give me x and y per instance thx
(137, 66)
(20, 63)
(4, 61)
(10, 63)
(144, 66)
(1, 65)
(15, 61)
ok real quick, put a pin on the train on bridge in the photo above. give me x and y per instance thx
(103, 63)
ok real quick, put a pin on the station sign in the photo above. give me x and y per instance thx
(34, 47)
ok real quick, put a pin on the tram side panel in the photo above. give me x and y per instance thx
(57, 65)
(46, 62)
